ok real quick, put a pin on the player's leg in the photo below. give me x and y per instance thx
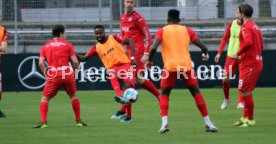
(228, 67)
(43, 112)
(69, 84)
(167, 83)
(50, 90)
(117, 88)
(226, 89)
(247, 82)
(240, 99)
(147, 84)
(190, 80)
(128, 82)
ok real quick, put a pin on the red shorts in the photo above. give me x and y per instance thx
(122, 72)
(168, 79)
(231, 65)
(52, 86)
(249, 76)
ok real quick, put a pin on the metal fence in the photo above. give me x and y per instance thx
(29, 21)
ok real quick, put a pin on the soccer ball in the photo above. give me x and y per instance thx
(130, 95)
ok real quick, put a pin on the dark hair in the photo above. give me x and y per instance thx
(57, 30)
(246, 9)
(99, 26)
(173, 15)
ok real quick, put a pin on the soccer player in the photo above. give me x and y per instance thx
(3, 47)
(57, 52)
(134, 26)
(118, 65)
(232, 34)
(251, 46)
(175, 40)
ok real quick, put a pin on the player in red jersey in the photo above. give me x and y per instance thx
(175, 40)
(57, 53)
(232, 34)
(3, 47)
(134, 26)
(118, 65)
(251, 46)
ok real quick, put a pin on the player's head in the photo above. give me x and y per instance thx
(129, 5)
(246, 11)
(173, 16)
(100, 33)
(59, 31)
(238, 15)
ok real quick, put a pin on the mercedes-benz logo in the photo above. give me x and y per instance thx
(33, 73)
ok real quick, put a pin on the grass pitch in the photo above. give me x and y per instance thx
(186, 124)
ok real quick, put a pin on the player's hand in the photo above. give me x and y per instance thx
(133, 63)
(148, 65)
(145, 58)
(205, 57)
(217, 58)
(235, 56)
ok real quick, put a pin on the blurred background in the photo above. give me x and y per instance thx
(29, 22)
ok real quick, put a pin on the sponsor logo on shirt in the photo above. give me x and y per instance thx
(109, 51)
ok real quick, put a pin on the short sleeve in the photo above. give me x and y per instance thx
(72, 50)
(92, 51)
(192, 34)
(159, 34)
(119, 38)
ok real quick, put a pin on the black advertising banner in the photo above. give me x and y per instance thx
(21, 72)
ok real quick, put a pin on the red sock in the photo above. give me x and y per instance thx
(164, 105)
(116, 86)
(226, 87)
(123, 108)
(43, 111)
(148, 85)
(245, 111)
(201, 105)
(128, 108)
(240, 98)
(249, 104)
(76, 108)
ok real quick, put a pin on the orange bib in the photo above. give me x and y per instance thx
(111, 53)
(175, 48)
(1, 33)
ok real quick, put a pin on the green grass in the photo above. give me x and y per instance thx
(22, 110)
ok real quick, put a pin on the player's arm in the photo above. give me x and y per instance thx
(143, 27)
(194, 38)
(4, 43)
(157, 41)
(75, 63)
(247, 42)
(130, 42)
(83, 58)
(153, 48)
(127, 41)
(88, 55)
(42, 65)
(223, 42)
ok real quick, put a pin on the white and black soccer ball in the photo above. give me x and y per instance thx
(131, 95)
